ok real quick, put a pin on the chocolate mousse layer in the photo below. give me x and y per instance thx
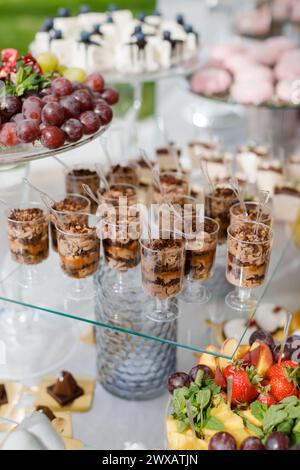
(79, 249)
(217, 206)
(68, 204)
(174, 185)
(248, 255)
(200, 254)
(79, 176)
(28, 235)
(162, 267)
(253, 214)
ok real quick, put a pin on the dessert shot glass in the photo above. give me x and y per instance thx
(123, 174)
(200, 253)
(253, 213)
(217, 206)
(66, 204)
(79, 252)
(162, 263)
(78, 175)
(249, 246)
(28, 238)
(174, 186)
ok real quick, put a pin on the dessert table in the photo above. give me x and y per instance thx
(112, 422)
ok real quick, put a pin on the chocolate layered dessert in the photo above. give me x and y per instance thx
(123, 174)
(117, 202)
(286, 201)
(46, 411)
(200, 252)
(28, 235)
(249, 248)
(261, 151)
(253, 213)
(3, 395)
(66, 389)
(174, 185)
(168, 158)
(68, 204)
(162, 267)
(79, 176)
(217, 206)
(79, 249)
(121, 245)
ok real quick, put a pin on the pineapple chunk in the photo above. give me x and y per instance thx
(249, 416)
(183, 440)
(233, 424)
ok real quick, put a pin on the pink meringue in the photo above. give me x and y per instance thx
(223, 51)
(237, 62)
(255, 73)
(211, 81)
(249, 92)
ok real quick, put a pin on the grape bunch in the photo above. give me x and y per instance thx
(62, 112)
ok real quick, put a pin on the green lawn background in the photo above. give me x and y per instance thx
(20, 19)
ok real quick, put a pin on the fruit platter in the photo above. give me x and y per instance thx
(43, 112)
(250, 402)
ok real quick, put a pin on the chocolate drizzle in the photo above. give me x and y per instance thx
(46, 411)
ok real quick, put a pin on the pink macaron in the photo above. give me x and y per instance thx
(288, 67)
(285, 90)
(255, 73)
(237, 62)
(211, 81)
(249, 92)
(223, 51)
(254, 23)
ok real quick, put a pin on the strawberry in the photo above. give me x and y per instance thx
(281, 388)
(244, 382)
(277, 371)
(267, 399)
(10, 55)
(219, 378)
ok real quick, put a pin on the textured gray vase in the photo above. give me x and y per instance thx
(130, 366)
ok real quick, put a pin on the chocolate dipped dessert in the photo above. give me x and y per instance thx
(66, 389)
(217, 206)
(71, 203)
(76, 177)
(28, 235)
(78, 248)
(249, 249)
(162, 267)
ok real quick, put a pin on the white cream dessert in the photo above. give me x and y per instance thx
(248, 163)
(116, 41)
(201, 148)
(293, 167)
(269, 174)
(286, 201)
(236, 327)
(270, 317)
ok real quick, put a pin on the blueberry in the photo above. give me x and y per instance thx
(47, 25)
(167, 35)
(109, 19)
(63, 12)
(180, 19)
(84, 8)
(189, 28)
(56, 34)
(112, 7)
(141, 16)
(84, 36)
(96, 28)
(137, 29)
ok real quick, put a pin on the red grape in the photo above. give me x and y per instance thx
(12, 105)
(52, 137)
(73, 130)
(17, 117)
(208, 373)
(27, 130)
(222, 441)
(252, 443)
(95, 81)
(8, 134)
(110, 95)
(71, 106)
(53, 114)
(277, 441)
(61, 86)
(287, 351)
(263, 336)
(84, 98)
(45, 91)
(104, 112)
(178, 380)
(50, 99)
(32, 108)
(90, 121)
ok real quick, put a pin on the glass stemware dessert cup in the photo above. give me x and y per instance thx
(249, 246)
(78, 175)
(79, 252)
(200, 251)
(162, 262)
(174, 186)
(264, 215)
(28, 237)
(120, 232)
(64, 204)
(217, 206)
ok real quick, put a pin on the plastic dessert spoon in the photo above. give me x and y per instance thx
(41, 193)
(102, 176)
(4, 203)
(146, 158)
(90, 193)
(262, 201)
(285, 335)
(62, 163)
(229, 391)
(236, 189)
(103, 144)
(204, 169)
(165, 199)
